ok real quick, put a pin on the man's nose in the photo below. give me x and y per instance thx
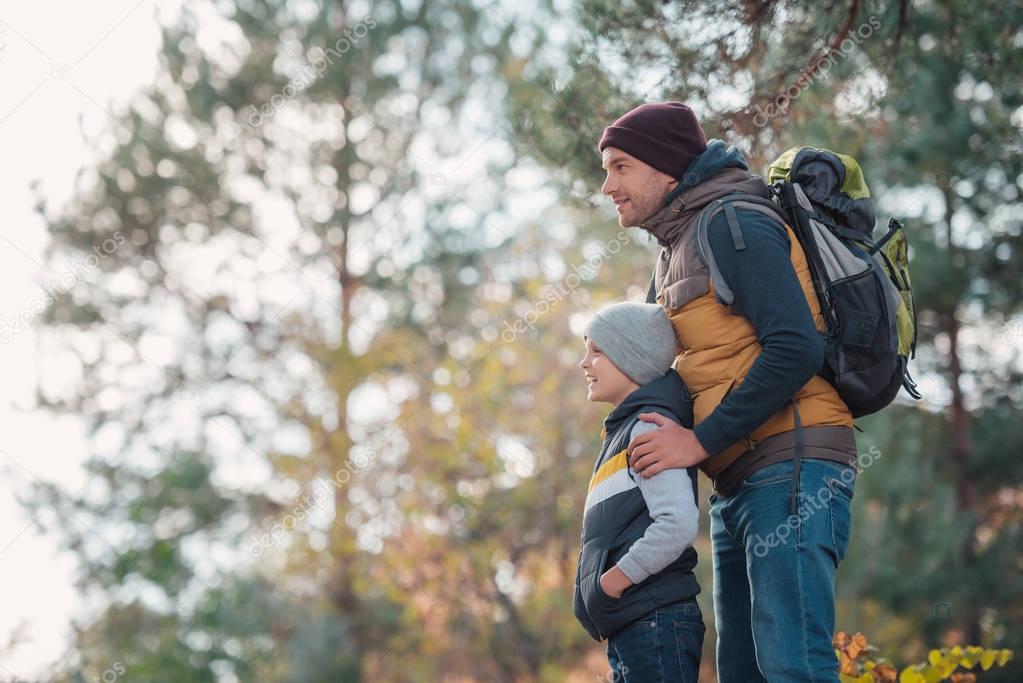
(609, 186)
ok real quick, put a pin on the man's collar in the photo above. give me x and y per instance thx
(664, 222)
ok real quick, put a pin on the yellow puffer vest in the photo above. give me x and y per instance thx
(719, 347)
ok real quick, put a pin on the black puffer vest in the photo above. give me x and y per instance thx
(616, 516)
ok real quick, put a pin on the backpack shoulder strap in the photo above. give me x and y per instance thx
(722, 291)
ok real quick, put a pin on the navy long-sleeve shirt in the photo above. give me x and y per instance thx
(768, 294)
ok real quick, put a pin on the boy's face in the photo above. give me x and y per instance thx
(605, 381)
(638, 189)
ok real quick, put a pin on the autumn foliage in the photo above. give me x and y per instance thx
(858, 665)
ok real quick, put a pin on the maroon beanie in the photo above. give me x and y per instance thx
(665, 135)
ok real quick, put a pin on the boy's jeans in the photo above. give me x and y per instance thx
(774, 576)
(662, 647)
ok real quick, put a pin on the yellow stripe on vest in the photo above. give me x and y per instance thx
(610, 466)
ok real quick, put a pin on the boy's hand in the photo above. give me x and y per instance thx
(671, 446)
(614, 582)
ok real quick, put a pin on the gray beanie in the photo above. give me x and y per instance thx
(638, 338)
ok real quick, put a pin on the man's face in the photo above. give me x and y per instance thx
(638, 190)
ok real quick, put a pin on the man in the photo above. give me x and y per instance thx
(774, 437)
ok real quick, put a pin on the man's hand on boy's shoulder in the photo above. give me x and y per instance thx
(669, 446)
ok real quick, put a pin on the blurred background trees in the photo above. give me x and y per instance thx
(326, 333)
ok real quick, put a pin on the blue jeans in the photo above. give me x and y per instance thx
(774, 575)
(662, 647)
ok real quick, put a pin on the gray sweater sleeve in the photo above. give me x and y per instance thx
(669, 499)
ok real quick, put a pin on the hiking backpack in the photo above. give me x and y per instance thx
(862, 285)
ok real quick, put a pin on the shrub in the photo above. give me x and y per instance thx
(856, 665)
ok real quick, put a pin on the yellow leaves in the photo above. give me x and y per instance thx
(991, 657)
(911, 676)
(855, 667)
(971, 656)
(863, 678)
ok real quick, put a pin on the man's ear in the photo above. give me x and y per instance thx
(671, 184)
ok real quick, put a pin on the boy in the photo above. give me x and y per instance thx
(634, 582)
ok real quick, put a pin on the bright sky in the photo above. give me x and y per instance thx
(64, 66)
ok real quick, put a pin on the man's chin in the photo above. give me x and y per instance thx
(627, 221)
(630, 218)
